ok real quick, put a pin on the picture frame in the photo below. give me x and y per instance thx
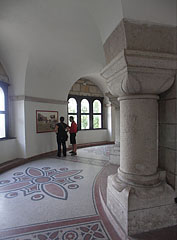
(46, 121)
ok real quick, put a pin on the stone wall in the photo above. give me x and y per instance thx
(84, 87)
(143, 36)
(168, 134)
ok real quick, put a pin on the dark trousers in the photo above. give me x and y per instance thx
(63, 143)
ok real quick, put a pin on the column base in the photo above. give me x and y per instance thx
(141, 209)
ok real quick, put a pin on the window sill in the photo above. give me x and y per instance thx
(6, 139)
(92, 129)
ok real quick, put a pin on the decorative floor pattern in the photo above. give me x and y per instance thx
(53, 199)
(70, 207)
(39, 182)
(87, 231)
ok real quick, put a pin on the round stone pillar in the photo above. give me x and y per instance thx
(137, 195)
(138, 139)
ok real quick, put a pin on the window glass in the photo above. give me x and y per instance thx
(72, 105)
(96, 106)
(85, 123)
(2, 126)
(96, 121)
(2, 103)
(85, 115)
(84, 106)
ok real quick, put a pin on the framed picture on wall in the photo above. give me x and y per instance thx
(46, 121)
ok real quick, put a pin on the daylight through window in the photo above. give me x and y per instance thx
(87, 111)
(3, 110)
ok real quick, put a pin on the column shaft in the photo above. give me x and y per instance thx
(138, 135)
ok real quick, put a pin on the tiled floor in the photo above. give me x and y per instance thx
(58, 199)
(54, 198)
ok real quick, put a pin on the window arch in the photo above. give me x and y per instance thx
(85, 110)
(89, 113)
(97, 114)
(72, 108)
(3, 110)
(2, 100)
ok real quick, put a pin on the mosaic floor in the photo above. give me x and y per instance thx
(54, 198)
(58, 199)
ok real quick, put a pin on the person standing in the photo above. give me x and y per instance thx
(73, 131)
(62, 136)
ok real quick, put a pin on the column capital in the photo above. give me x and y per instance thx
(138, 72)
(114, 101)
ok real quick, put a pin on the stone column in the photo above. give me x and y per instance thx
(139, 139)
(138, 196)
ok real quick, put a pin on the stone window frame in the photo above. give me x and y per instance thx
(4, 87)
(90, 99)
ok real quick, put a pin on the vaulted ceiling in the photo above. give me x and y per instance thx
(55, 42)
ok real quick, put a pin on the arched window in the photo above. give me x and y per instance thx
(97, 114)
(3, 110)
(72, 108)
(87, 111)
(85, 116)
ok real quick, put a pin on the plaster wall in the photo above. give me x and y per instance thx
(8, 150)
(92, 136)
(14, 58)
(107, 15)
(17, 123)
(38, 143)
(2, 71)
(157, 11)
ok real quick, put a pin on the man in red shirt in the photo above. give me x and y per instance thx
(73, 131)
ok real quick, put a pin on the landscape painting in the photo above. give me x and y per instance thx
(46, 121)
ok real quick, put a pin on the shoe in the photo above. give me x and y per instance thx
(73, 154)
(64, 155)
(58, 155)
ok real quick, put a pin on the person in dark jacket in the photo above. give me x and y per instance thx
(62, 136)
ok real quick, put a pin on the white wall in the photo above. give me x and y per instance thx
(28, 143)
(8, 150)
(38, 143)
(107, 15)
(17, 122)
(92, 136)
(157, 11)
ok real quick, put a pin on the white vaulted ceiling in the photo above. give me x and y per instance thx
(47, 45)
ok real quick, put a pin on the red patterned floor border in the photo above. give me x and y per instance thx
(44, 226)
(108, 226)
(31, 229)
